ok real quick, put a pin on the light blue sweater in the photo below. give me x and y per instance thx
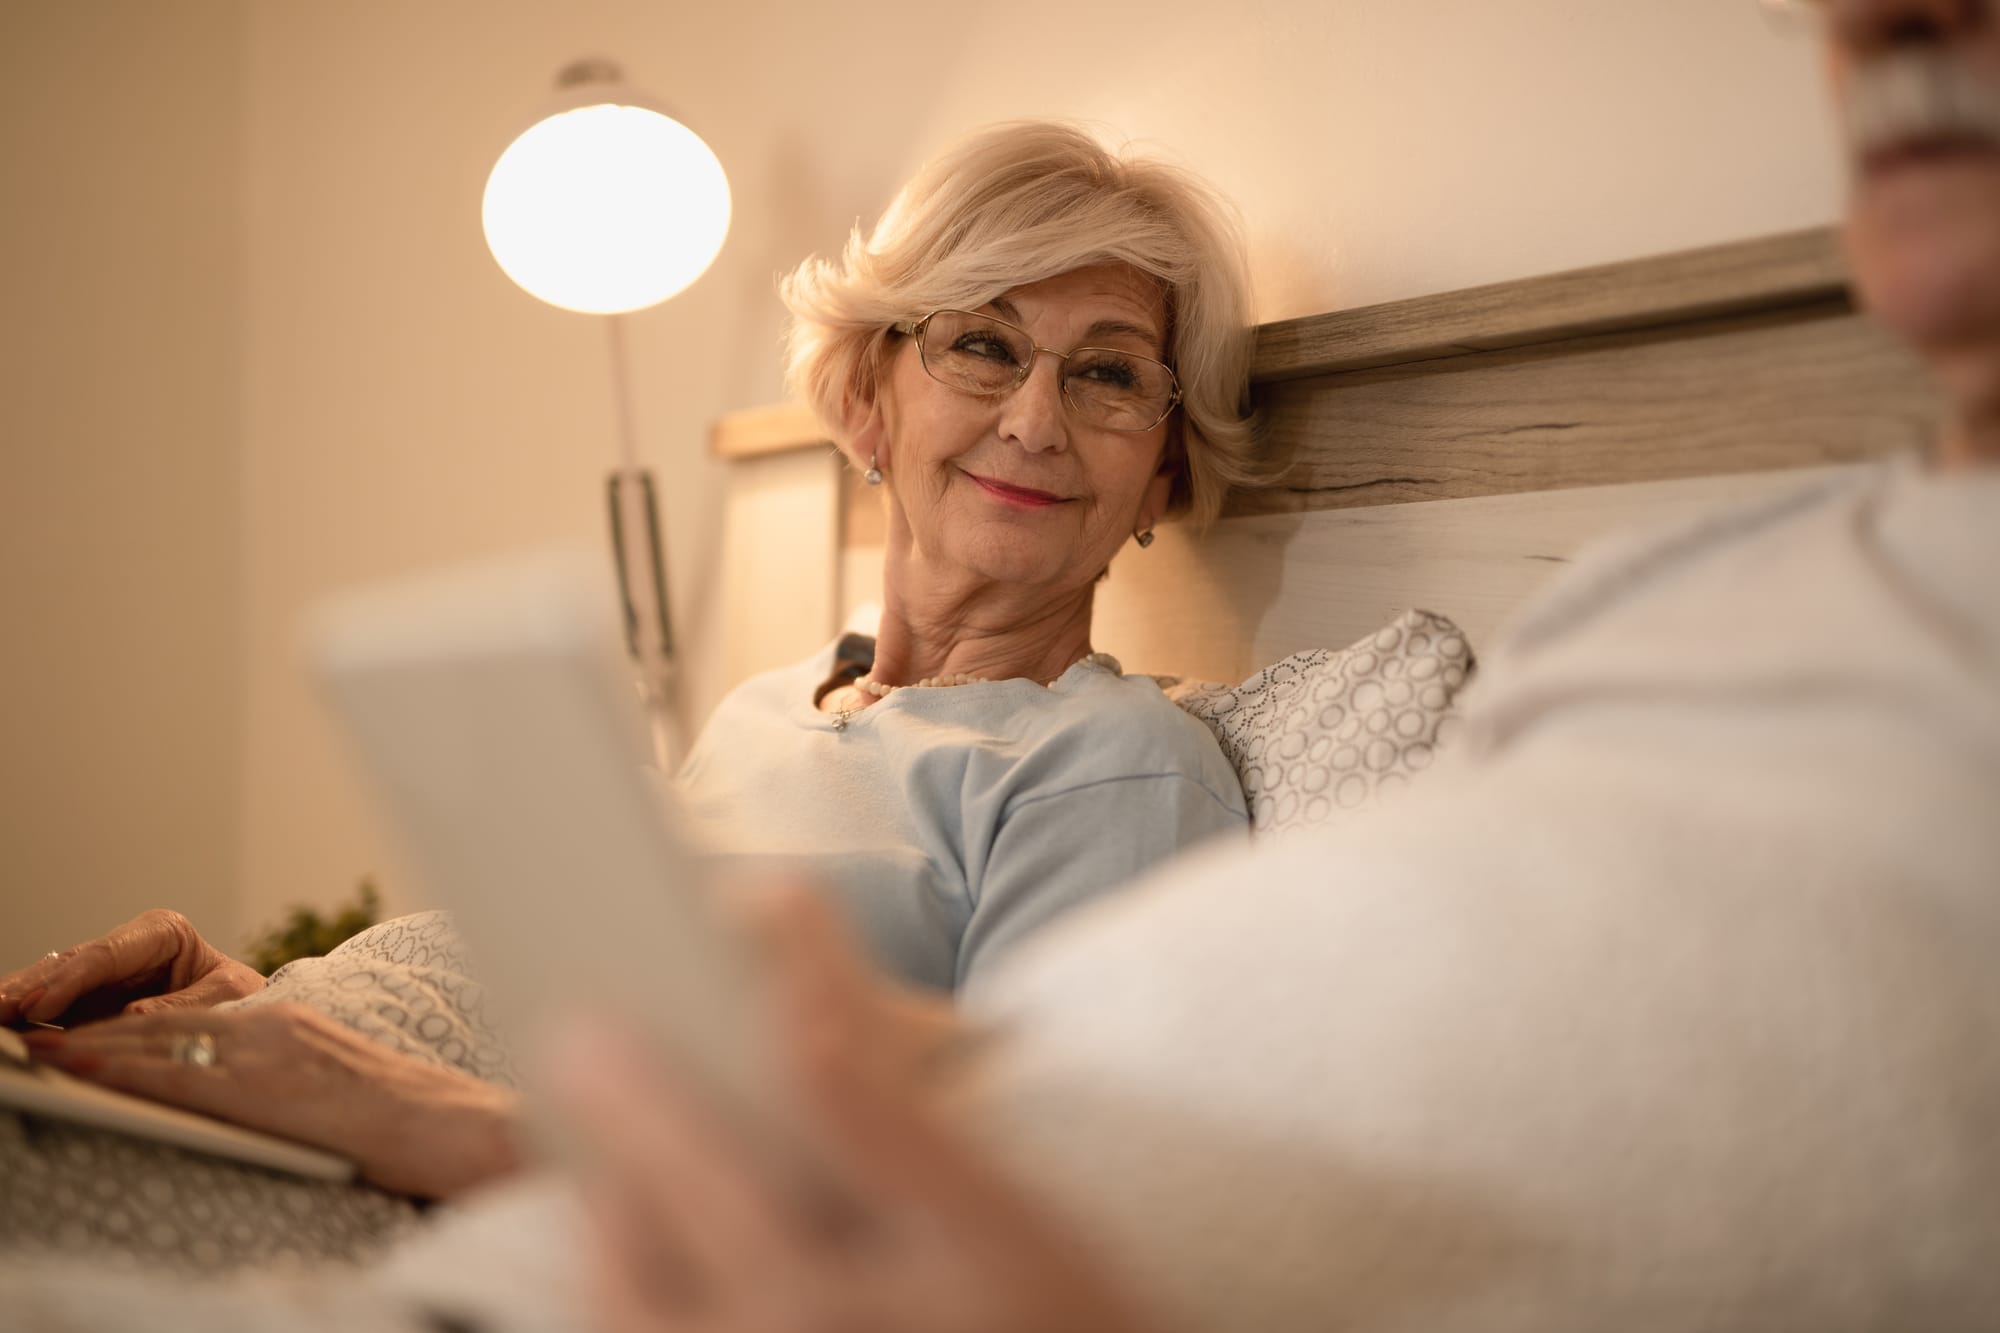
(953, 822)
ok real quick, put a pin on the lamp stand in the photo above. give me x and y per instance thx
(639, 554)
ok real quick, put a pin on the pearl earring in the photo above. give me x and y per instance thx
(873, 476)
(1144, 538)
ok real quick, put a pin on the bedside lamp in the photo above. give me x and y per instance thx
(604, 206)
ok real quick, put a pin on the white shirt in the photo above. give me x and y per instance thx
(1673, 1003)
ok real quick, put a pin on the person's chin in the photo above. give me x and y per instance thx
(1005, 567)
(1007, 552)
(1924, 244)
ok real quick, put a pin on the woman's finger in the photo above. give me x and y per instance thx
(127, 1028)
(125, 1034)
(17, 991)
(23, 993)
(193, 998)
(134, 953)
(228, 980)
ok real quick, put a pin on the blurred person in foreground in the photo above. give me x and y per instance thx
(1677, 1005)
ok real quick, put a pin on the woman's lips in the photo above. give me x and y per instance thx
(1938, 150)
(1022, 496)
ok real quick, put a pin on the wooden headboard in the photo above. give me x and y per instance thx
(1453, 451)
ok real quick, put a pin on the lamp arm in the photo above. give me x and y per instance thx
(639, 554)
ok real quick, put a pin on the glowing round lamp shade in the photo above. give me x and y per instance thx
(606, 208)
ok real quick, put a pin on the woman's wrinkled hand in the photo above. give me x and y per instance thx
(155, 961)
(411, 1126)
(904, 1228)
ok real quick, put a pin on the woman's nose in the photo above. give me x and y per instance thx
(1033, 414)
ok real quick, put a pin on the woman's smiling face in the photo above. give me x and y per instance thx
(1012, 488)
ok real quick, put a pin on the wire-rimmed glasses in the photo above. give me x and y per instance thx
(984, 355)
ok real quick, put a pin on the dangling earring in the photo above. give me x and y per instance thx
(873, 476)
(1144, 538)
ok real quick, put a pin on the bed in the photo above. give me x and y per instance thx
(1449, 453)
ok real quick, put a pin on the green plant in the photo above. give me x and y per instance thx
(306, 934)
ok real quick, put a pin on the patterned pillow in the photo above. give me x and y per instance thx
(1325, 733)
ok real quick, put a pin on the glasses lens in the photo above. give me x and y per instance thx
(973, 352)
(1105, 387)
(1117, 390)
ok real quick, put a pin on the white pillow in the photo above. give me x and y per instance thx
(1325, 733)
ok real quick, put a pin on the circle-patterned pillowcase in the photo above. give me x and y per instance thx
(1325, 733)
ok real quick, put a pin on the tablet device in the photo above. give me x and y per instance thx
(494, 713)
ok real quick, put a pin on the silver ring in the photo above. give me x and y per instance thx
(51, 954)
(196, 1049)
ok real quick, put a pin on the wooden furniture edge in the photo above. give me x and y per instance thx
(1766, 273)
(1800, 268)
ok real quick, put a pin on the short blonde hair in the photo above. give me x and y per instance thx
(1020, 202)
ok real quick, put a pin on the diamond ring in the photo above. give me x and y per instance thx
(194, 1048)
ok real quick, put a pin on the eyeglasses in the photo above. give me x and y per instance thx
(1105, 387)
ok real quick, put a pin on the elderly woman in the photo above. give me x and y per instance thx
(1038, 354)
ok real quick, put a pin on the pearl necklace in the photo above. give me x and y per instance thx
(869, 685)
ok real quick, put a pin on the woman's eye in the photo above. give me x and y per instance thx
(986, 346)
(1110, 373)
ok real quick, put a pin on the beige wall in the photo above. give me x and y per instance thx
(403, 404)
(120, 534)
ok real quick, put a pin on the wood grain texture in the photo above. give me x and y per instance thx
(1796, 388)
(1774, 272)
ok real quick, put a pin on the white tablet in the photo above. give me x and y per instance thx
(495, 713)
